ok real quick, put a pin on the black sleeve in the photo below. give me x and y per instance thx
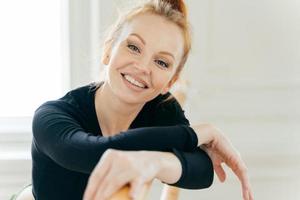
(58, 135)
(197, 168)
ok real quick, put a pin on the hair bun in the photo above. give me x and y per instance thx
(178, 5)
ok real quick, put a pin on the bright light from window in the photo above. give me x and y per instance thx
(30, 49)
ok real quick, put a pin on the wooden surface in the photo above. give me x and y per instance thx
(123, 193)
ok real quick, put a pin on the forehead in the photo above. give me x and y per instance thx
(158, 33)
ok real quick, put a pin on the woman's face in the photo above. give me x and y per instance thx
(143, 59)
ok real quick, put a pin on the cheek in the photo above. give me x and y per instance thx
(118, 59)
(161, 79)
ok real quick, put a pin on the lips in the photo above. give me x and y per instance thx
(137, 79)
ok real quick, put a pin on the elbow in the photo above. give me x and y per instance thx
(204, 179)
(199, 175)
(208, 176)
(205, 176)
(197, 170)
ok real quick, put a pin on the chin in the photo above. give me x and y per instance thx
(135, 99)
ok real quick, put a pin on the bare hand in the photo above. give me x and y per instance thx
(117, 168)
(221, 150)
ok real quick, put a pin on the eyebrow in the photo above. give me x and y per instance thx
(143, 41)
(167, 53)
(138, 36)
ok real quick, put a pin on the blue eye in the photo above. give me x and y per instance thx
(133, 48)
(162, 63)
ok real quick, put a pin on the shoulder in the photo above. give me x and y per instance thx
(166, 110)
(81, 95)
(73, 102)
(165, 103)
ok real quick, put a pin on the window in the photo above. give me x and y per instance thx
(32, 52)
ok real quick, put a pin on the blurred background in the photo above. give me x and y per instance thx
(243, 76)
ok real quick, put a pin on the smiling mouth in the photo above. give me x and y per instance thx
(133, 81)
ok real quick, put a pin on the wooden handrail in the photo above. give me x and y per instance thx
(170, 193)
(123, 193)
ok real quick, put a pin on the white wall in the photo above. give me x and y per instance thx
(245, 77)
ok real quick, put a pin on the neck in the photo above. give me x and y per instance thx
(114, 115)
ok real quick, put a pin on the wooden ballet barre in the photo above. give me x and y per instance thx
(169, 193)
(123, 193)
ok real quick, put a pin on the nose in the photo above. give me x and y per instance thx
(143, 66)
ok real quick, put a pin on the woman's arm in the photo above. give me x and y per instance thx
(59, 136)
(197, 169)
(117, 168)
(219, 148)
(172, 166)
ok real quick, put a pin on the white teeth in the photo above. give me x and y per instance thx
(133, 81)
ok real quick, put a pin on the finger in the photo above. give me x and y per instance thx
(238, 167)
(112, 183)
(115, 178)
(136, 187)
(102, 187)
(247, 191)
(220, 172)
(240, 170)
(251, 195)
(247, 194)
(96, 178)
(99, 191)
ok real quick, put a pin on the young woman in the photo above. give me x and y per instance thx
(130, 121)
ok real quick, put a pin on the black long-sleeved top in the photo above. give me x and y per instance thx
(67, 143)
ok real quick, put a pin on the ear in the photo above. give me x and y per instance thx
(105, 58)
(106, 53)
